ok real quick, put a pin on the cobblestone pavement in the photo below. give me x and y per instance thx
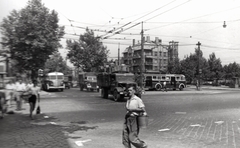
(176, 130)
(19, 131)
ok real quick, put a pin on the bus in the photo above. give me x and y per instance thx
(155, 81)
(53, 81)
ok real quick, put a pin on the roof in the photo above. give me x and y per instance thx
(55, 73)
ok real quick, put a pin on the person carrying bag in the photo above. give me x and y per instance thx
(33, 99)
(135, 108)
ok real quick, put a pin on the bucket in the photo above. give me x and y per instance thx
(143, 121)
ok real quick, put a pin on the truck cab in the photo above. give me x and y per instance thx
(88, 81)
(115, 84)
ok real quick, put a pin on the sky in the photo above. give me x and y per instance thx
(184, 21)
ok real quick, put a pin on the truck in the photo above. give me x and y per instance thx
(68, 81)
(88, 81)
(115, 84)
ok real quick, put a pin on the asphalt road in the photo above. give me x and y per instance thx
(207, 118)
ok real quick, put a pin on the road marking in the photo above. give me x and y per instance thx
(219, 122)
(195, 125)
(163, 130)
(80, 143)
(182, 113)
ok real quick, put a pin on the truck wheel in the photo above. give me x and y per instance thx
(116, 96)
(181, 88)
(81, 88)
(158, 87)
(105, 93)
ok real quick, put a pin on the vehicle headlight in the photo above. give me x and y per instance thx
(50, 83)
(88, 85)
(97, 86)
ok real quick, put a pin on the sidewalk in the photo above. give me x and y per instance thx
(17, 130)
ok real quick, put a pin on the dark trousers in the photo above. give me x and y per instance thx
(130, 133)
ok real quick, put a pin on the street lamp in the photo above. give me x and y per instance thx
(224, 24)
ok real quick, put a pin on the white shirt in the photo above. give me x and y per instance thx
(10, 86)
(35, 90)
(134, 103)
(20, 87)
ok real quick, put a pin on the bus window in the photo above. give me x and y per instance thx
(178, 78)
(167, 78)
(154, 77)
(163, 77)
(52, 77)
(60, 77)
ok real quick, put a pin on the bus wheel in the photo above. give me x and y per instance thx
(158, 87)
(181, 88)
(116, 96)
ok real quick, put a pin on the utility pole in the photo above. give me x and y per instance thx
(142, 57)
(118, 54)
(199, 71)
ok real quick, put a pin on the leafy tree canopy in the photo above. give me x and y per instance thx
(31, 35)
(56, 63)
(215, 67)
(88, 53)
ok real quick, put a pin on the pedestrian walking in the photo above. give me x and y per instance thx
(135, 107)
(20, 89)
(164, 86)
(33, 98)
(9, 88)
(3, 108)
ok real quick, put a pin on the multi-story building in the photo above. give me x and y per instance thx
(156, 56)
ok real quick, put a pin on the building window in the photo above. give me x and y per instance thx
(165, 61)
(160, 53)
(165, 54)
(155, 53)
(155, 61)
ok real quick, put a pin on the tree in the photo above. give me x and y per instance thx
(190, 65)
(31, 35)
(88, 53)
(215, 67)
(174, 66)
(56, 63)
(232, 70)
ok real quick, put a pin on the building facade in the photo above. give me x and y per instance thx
(156, 56)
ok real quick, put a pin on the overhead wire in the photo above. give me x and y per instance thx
(228, 48)
(139, 18)
(195, 18)
(154, 10)
(167, 10)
